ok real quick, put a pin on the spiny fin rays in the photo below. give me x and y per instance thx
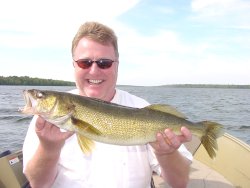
(166, 109)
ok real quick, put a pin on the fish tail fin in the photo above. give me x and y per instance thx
(85, 144)
(212, 131)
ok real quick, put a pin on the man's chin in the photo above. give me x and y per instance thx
(94, 94)
(99, 93)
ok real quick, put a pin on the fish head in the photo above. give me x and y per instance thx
(39, 102)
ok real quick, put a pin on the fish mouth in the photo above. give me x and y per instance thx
(29, 107)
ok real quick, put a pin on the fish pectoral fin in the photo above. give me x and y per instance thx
(59, 119)
(83, 126)
(85, 144)
(166, 109)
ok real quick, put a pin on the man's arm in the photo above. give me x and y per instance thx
(174, 166)
(41, 170)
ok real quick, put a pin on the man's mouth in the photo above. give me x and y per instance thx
(95, 81)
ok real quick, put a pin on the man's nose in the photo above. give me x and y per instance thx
(94, 68)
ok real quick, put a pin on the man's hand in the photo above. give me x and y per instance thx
(168, 142)
(41, 170)
(50, 136)
(174, 166)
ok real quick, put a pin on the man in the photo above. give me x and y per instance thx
(53, 158)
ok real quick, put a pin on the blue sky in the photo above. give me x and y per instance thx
(160, 41)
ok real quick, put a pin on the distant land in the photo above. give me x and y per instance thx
(25, 80)
(197, 86)
(209, 86)
(28, 81)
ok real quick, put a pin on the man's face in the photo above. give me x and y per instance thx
(95, 82)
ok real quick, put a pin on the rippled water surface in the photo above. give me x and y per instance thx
(230, 107)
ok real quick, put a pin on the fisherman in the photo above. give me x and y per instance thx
(53, 158)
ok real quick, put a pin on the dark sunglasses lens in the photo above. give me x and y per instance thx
(104, 63)
(84, 63)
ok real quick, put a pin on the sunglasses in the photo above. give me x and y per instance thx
(101, 63)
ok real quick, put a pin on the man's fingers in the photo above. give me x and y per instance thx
(186, 135)
(172, 139)
(68, 134)
(40, 123)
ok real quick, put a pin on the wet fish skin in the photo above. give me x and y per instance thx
(93, 119)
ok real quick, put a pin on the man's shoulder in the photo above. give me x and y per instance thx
(124, 98)
(74, 91)
(127, 99)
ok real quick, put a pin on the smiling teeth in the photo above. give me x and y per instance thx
(95, 81)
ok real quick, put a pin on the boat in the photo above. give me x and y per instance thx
(11, 173)
(230, 168)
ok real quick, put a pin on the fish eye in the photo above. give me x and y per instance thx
(39, 95)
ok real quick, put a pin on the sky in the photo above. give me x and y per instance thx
(160, 41)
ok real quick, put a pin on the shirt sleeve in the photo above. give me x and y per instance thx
(31, 143)
(153, 161)
(183, 150)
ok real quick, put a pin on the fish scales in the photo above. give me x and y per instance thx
(93, 119)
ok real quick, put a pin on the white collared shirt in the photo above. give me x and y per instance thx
(109, 166)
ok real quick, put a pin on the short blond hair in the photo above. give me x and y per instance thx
(97, 32)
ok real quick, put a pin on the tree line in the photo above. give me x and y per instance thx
(230, 86)
(25, 80)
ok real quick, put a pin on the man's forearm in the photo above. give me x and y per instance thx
(41, 170)
(175, 169)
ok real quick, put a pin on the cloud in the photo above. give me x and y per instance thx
(215, 7)
(54, 22)
(230, 13)
(165, 58)
(35, 36)
(154, 60)
(208, 69)
(37, 39)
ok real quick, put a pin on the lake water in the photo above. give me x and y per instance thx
(230, 107)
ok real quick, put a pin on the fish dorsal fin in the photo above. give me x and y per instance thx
(83, 126)
(166, 109)
(85, 144)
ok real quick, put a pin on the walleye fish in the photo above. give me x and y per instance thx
(93, 119)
